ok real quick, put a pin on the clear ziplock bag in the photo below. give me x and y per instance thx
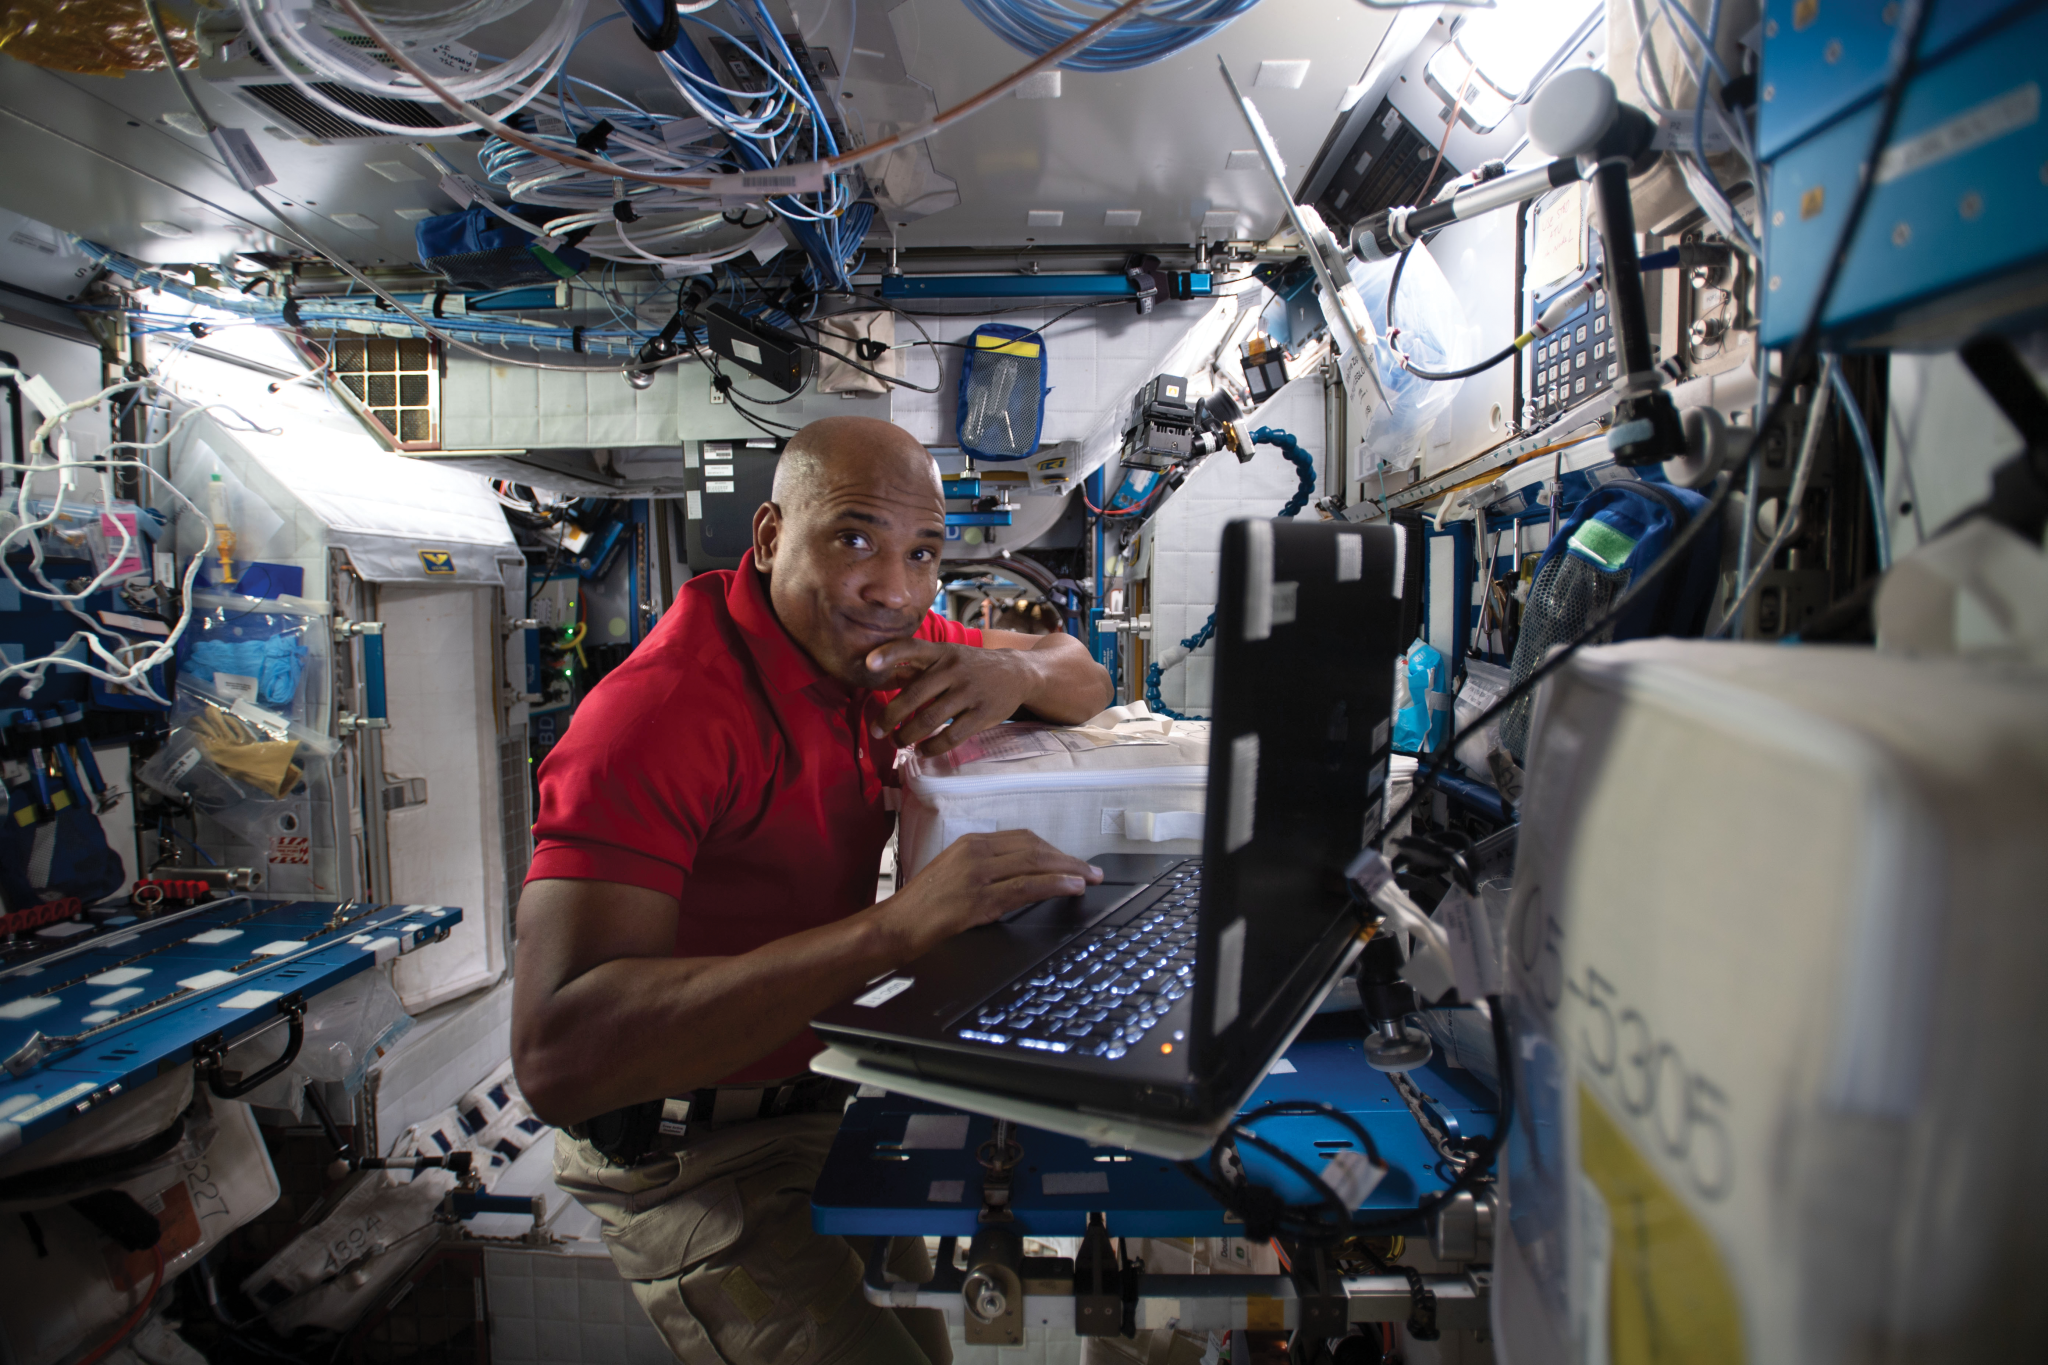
(271, 653)
(237, 762)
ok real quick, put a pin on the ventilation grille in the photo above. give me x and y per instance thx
(394, 379)
(287, 103)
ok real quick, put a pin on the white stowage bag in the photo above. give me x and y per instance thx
(1126, 781)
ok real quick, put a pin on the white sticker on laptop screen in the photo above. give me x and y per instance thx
(1244, 791)
(885, 992)
(1400, 558)
(1258, 580)
(1285, 595)
(1229, 974)
(1350, 558)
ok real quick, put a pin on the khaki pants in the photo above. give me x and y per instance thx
(716, 1241)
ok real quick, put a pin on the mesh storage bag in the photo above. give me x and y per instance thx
(1002, 392)
(1568, 592)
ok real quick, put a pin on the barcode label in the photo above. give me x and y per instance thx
(768, 182)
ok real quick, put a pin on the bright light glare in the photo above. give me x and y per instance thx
(1506, 49)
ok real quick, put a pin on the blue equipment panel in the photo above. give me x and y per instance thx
(1956, 234)
(1822, 61)
(116, 1009)
(902, 1167)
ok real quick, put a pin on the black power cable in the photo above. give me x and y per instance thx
(1504, 353)
(1899, 72)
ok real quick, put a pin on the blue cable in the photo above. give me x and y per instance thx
(1305, 470)
(1038, 26)
(1873, 476)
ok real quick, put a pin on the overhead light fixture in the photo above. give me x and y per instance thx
(1045, 217)
(1245, 159)
(1497, 57)
(159, 228)
(1122, 217)
(1043, 86)
(356, 222)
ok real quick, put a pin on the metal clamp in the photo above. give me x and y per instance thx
(210, 1053)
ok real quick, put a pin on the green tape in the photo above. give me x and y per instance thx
(1601, 543)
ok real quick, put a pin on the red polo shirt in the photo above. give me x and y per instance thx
(718, 764)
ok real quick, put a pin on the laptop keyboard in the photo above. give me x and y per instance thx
(1107, 990)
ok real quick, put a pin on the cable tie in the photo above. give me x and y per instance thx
(594, 138)
(440, 297)
(663, 38)
(624, 211)
(576, 340)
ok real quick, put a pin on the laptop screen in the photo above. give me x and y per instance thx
(1308, 626)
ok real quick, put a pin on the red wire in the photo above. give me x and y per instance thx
(135, 1317)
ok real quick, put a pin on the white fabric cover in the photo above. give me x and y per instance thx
(1126, 781)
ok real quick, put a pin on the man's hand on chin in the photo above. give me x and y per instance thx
(971, 688)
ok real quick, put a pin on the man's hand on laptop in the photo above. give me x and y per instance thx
(978, 879)
(951, 691)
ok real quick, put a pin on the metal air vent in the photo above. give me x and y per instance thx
(284, 101)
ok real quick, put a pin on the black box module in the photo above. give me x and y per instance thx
(725, 486)
(756, 347)
(1371, 163)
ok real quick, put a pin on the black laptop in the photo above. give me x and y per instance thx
(1165, 991)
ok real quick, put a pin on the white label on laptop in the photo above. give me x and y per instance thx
(1258, 579)
(1075, 1182)
(1350, 558)
(1475, 966)
(1284, 597)
(1281, 1067)
(1229, 974)
(887, 991)
(1244, 791)
(1400, 558)
(946, 1192)
(1352, 1177)
(1380, 733)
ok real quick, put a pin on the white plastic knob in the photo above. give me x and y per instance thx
(1571, 112)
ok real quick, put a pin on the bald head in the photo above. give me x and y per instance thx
(851, 542)
(837, 453)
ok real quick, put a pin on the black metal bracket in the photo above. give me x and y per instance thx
(209, 1053)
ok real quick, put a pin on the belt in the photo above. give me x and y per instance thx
(626, 1136)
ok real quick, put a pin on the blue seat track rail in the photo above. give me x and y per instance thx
(903, 1167)
(84, 1022)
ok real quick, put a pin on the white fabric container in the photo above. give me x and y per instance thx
(1125, 782)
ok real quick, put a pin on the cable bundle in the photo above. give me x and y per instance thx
(291, 38)
(1159, 30)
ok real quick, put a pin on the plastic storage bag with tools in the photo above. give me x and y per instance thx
(1002, 392)
(237, 762)
(272, 653)
(1127, 781)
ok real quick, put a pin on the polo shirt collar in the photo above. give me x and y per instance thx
(782, 660)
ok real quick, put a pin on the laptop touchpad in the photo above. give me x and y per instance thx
(1071, 912)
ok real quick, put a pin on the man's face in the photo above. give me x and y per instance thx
(856, 564)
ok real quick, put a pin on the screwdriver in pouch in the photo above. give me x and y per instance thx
(15, 751)
(28, 737)
(47, 724)
(71, 723)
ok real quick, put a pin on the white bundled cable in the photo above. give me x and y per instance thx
(427, 29)
(283, 30)
(130, 674)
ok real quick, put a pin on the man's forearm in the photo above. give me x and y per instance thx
(666, 1026)
(1070, 686)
